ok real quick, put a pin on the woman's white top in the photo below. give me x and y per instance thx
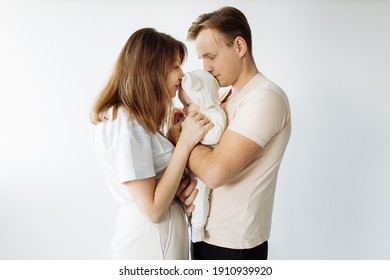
(127, 151)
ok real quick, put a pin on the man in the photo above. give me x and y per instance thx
(242, 170)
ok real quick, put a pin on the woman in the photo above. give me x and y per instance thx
(142, 168)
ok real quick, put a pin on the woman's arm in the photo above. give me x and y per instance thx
(153, 200)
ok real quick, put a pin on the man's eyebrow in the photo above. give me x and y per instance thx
(205, 55)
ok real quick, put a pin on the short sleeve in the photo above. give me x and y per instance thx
(133, 156)
(261, 115)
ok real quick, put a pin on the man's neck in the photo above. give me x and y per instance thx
(244, 78)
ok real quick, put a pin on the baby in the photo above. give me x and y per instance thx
(199, 92)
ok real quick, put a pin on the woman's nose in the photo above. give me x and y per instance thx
(181, 74)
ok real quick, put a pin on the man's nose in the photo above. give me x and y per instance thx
(207, 66)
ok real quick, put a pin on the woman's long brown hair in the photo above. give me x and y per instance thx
(138, 81)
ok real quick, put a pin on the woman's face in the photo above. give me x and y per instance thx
(174, 79)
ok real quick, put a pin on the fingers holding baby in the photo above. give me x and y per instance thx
(194, 127)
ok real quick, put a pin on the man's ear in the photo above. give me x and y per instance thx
(240, 45)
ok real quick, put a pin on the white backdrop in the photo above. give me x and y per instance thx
(331, 57)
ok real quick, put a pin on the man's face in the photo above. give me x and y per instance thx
(221, 61)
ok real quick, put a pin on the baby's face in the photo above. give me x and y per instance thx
(188, 105)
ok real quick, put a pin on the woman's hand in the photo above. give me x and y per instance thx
(193, 128)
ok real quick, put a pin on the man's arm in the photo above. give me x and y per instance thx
(216, 167)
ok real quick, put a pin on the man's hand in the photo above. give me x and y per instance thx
(186, 193)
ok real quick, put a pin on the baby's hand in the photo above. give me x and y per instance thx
(178, 115)
(174, 125)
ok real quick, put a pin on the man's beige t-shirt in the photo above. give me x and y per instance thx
(241, 211)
